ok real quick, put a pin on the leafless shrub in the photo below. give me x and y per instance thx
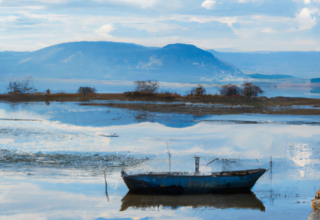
(147, 86)
(22, 86)
(198, 91)
(230, 89)
(48, 92)
(86, 90)
(251, 90)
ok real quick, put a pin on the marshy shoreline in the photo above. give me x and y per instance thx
(175, 103)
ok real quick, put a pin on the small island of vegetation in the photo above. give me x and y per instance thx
(233, 99)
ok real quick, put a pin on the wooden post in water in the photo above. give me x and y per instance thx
(105, 181)
(271, 165)
(196, 164)
(271, 179)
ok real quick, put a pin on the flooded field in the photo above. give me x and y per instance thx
(63, 161)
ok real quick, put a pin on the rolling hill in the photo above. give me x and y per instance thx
(117, 61)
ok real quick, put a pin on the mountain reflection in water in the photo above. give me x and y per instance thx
(219, 201)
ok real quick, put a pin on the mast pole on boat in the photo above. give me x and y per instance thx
(196, 164)
(169, 154)
(169, 162)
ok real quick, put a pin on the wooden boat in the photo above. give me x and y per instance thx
(218, 201)
(183, 182)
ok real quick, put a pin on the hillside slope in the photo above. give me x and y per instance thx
(117, 61)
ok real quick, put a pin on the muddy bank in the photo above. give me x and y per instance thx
(175, 103)
(164, 97)
(204, 109)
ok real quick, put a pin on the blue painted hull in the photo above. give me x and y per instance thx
(174, 183)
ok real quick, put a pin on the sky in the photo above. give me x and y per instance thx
(223, 25)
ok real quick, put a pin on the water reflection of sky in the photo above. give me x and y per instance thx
(77, 194)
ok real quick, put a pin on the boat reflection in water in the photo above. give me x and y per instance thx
(219, 201)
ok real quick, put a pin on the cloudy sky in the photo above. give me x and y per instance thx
(224, 25)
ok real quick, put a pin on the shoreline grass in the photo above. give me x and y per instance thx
(261, 105)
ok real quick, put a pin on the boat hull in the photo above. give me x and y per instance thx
(226, 182)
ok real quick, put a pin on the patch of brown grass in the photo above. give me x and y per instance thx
(257, 102)
(143, 96)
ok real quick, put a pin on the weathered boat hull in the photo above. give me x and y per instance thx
(224, 182)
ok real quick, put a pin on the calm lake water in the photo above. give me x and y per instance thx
(77, 191)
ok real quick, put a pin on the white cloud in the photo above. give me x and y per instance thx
(152, 26)
(40, 29)
(139, 3)
(268, 30)
(104, 30)
(246, 1)
(8, 18)
(208, 4)
(53, 1)
(206, 19)
(49, 17)
(34, 7)
(305, 18)
(307, 1)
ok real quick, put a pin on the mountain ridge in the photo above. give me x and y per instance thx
(118, 61)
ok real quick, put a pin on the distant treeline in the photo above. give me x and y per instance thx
(147, 87)
(246, 89)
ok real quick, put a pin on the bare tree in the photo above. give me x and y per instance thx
(86, 90)
(198, 91)
(147, 86)
(250, 90)
(48, 92)
(22, 86)
(230, 89)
